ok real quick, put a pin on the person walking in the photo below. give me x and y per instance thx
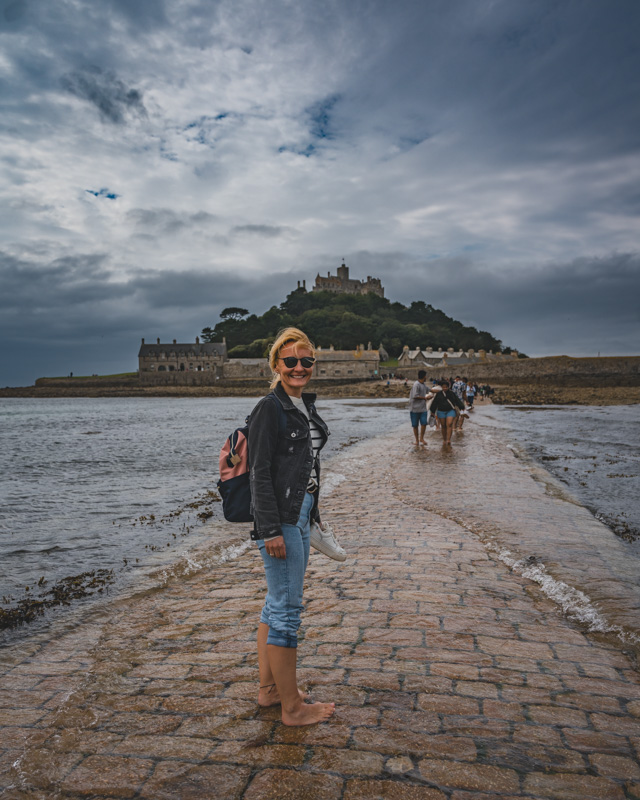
(444, 404)
(418, 407)
(285, 480)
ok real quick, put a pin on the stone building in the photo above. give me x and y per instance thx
(180, 363)
(429, 357)
(341, 283)
(208, 364)
(358, 364)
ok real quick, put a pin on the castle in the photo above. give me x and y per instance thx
(341, 283)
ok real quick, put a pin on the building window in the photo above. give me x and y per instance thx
(336, 372)
(323, 371)
(151, 366)
(181, 367)
(349, 372)
(162, 368)
(171, 368)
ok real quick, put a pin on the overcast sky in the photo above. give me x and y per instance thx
(163, 159)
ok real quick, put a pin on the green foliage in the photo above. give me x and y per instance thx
(258, 348)
(345, 321)
(233, 312)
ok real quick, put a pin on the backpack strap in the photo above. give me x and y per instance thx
(282, 414)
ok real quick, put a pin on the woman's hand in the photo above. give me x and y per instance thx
(275, 547)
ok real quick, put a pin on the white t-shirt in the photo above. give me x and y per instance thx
(316, 440)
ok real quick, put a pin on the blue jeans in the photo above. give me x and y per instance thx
(285, 580)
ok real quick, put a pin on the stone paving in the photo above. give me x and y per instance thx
(453, 677)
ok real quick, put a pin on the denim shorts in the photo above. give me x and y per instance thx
(418, 417)
(443, 414)
(285, 580)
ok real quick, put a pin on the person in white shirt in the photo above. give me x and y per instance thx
(418, 407)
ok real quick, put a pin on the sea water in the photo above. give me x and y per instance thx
(123, 488)
(537, 486)
(97, 492)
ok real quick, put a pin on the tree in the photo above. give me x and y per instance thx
(233, 312)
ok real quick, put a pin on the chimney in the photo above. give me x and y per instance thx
(298, 284)
(158, 340)
(328, 274)
(304, 284)
(369, 346)
(330, 347)
(197, 340)
(224, 340)
(174, 341)
(143, 340)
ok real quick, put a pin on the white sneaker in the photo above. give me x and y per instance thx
(323, 539)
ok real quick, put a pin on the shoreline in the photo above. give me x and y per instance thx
(513, 394)
(452, 672)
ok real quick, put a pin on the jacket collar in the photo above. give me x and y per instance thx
(308, 397)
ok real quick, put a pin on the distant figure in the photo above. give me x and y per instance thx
(418, 406)
(471, 393)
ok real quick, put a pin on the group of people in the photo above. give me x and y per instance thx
(445, 405)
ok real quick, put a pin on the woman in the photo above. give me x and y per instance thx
(444, 404)
(285, 436)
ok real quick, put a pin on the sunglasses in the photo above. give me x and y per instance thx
(292, 361)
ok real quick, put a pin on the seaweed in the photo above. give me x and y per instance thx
(62, 593)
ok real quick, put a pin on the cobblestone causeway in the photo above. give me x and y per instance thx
(453, 678)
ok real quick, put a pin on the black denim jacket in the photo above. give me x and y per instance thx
(280, 462)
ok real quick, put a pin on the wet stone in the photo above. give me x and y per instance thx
(176, 781)
(112, 775)
(454, 678)
(389, 790)
(346, 762)
(399, 765)
(279, 784)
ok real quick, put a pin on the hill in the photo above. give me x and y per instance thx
(345, 321)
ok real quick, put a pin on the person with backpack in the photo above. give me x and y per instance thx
(447, 405)
(284, 480)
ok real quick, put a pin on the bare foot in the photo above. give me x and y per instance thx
(269, 696)
(308, 714)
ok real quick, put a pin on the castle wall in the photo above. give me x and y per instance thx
(342, 284)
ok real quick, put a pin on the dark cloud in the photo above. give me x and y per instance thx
(113, 99)
(581, 307)
(142, 15)
(483, 151)
(77, 314)
(166, 221)
(268, 231)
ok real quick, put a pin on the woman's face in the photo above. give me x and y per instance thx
(294, 379)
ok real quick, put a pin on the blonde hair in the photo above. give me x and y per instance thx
(286, 337)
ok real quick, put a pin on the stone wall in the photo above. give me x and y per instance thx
(559, 370)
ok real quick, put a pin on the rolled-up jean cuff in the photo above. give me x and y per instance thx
(281, 639)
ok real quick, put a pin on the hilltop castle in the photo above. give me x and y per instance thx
(341, 283)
